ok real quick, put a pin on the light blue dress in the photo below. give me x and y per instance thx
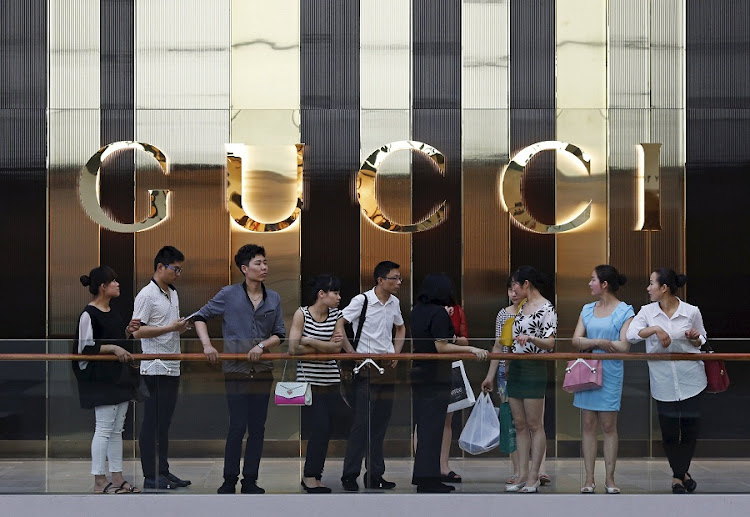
(607, 398)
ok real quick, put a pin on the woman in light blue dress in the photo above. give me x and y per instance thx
(602, 327)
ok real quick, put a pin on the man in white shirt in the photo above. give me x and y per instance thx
(373, 396)
(157, 307)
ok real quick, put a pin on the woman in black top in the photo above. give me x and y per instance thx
(432, 332)
(105, 386)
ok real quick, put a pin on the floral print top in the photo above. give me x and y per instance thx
(543, 323)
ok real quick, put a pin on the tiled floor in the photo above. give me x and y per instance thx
(282, 476)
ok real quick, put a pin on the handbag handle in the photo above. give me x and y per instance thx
(579, 360)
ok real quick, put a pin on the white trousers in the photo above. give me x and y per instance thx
(107, 441)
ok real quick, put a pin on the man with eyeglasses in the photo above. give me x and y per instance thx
(157, 307)
(373, 394)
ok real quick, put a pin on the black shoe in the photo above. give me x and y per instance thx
(690, 483)
(315, 489)
(228, 487)
(434, 488)
(350, 484)
(378, 482)
(678, 489)
(179, 482)
(160, 483)
(251, 487)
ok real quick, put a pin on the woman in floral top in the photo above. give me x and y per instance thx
(534, 331)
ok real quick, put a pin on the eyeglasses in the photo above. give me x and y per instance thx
(176, 269)
(396, 278)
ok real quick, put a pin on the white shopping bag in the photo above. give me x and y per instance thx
(482, 430)
(462, 396)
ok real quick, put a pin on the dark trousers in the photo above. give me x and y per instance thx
(373, 404)
(430, 403)
(319, 419)
(680, 424)
(157, 416)
(247, 399)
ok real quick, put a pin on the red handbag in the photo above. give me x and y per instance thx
(716, 374)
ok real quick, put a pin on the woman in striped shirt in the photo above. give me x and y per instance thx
(313, 331)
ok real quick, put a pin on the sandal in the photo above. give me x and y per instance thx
(590, 489)
(130, 489)
(450, 477)
(108, 489)
(544, 479)
(512, 479)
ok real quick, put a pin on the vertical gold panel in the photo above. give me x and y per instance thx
(581, 33)
(485, 148)
(74, 54)
(647, 76)
(265, 95)
(385, 92)
(182, 59)
(74, 121)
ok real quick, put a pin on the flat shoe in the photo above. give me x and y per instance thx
(678, 489)
(589, 489)
(514, 487)
(130, 489)
(611, 489)
(544, 479)
(451, 477)
(108, 489)
(690, 484)
(533, 489)
(315, 489)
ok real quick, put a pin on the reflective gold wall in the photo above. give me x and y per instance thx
(477, 79)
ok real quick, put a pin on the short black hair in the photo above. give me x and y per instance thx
(98, 276)
(436, 288)
(168, 255)
(383, 268)
(247, 253)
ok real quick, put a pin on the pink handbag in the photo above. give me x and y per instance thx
(582, 375)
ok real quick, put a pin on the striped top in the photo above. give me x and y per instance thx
(319, 373)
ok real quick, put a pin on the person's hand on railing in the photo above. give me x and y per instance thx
(122, 354)
(481, 353)
(211, 354)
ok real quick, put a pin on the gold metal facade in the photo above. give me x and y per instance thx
(212, 73)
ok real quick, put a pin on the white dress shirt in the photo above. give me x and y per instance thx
(672, 380)
(377, 332)
(157, 308)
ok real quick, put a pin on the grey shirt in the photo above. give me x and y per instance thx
(243, 325)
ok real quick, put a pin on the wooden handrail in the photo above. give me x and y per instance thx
(556, 356)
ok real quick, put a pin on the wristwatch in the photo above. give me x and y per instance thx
(261, 345)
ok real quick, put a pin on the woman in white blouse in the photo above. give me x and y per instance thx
(670, 325)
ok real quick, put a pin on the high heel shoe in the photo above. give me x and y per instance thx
(589, 489)
(315, 489)
(533, 489)
(611, 489)
(515, 487)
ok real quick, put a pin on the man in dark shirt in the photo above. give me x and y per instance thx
(252, 324)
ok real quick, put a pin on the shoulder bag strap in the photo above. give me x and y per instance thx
(362, 316)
